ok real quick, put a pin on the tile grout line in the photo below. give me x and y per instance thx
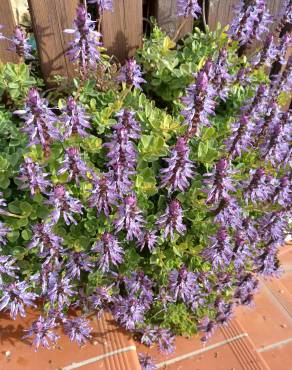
(199, 351)
(77, 365)
(274, 345)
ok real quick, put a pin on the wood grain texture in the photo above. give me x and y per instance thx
(122, 30)
(50, 18)
(7, 20)
(165, 13)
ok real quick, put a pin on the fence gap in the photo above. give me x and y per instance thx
(8, 21)
(49, 19)
(122, 30)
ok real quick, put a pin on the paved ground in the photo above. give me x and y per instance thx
(257, 339)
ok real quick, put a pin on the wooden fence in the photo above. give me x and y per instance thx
(122, 30)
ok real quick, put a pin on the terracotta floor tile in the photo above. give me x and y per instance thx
(280, 358)
(267, 322)
(19, 355)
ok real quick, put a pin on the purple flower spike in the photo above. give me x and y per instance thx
(250, 21)
(130, 218)
(267, 55)
(77, 262)
(220, 252)
(146, 362)
(182, 284)
(59, 290)
(39, 121)
(283, 192)
(64, 205)
(128, 311)
(19, 43)
(247, 286)
(104, 195)
(127, 121)
(229, 213)
(240, 139)
(199, 103)
(180, 168)
(7, 267)
(165, 340)
(220, 182)
(187, 8)
(110, 252)
(33, 177)
(78, 330)
(15, 297)
(74, 166)
(85, 48)
(122, 159)
(131, 74)
(207, 326)
(148, 240)
(267, 262)
(4, 230)
(75, 119)
(103, 5)
(259, 188)
(42, 329)
(172, 220)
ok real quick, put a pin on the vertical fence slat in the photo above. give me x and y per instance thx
(8, 21)
(122, 30)
(168, 20)
(50, 18)
(220, 11)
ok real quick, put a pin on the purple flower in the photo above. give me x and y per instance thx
(64, 205)
(48, 243)
(165, 340)
(103, 5)
(126, 120)
(247, 286)
(241, 252)
(148, 240)
(220, 182)
(172, 220)
(268, 53)
(208, 326)
(182, 284)
(78, 330)
(267, 262)
(19, 43)
(122, 159)
(42, 329)
(221, 77)
(250, 21)
(59, 290)
(187, 8)
(15, 297)
(199, 102)
(140, 284)
(224, 311)
(101, 298)
(75, 119)
(283, 192)
(39, 121)
(85, 48)
(220, 252)
(259, 188)
(104, 195)
(272, 227)
(240, 139)
(180, 168)
(4, 230)
(131, 74)
(276, 146)
(74, 166)
(146, 362)
(110, 252)
(229, 213)
(130, 218)
(6, 267)
(33, 177)
(128, 311)
(77, 262)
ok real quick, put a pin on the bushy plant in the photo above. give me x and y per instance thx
(158, 193)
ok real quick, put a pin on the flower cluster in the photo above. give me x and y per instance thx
(19, 43)
(188, 8)
(85, 48)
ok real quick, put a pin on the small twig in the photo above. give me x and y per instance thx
(204, 15)
(179, 30)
